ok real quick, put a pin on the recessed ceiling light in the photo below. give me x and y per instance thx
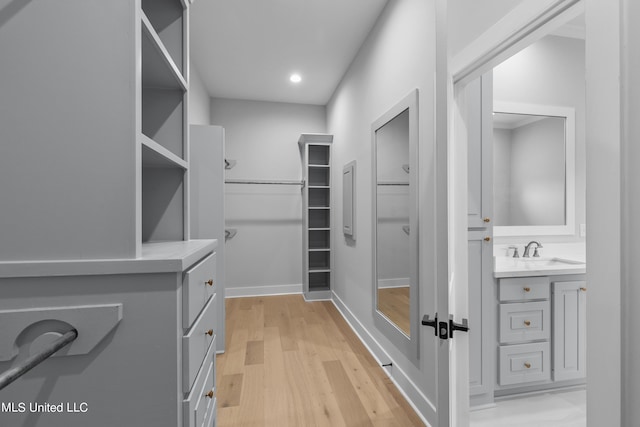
(295, 78)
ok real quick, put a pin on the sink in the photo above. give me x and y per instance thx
(514, 267)
(550, 261)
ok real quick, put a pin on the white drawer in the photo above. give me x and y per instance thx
(210, 417)
(524, 363)
(524, 288)
(201, 402)
(198, 286)
(196, 343)
(526, 321)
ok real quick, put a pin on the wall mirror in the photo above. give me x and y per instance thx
(533, 170)
(395, 234)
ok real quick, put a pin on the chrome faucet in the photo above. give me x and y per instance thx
(528, 247)
(515, 251)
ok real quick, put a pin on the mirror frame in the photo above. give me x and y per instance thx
(569, 228)
(407, 344)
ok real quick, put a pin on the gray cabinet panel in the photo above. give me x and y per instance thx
(569, 330)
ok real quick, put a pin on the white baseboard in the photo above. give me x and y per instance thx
(405, 385)
(260, 291)
(402, 282)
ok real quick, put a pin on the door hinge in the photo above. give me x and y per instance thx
(444, 330)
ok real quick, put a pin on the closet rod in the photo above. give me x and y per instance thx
(31, 362)
(256, 181)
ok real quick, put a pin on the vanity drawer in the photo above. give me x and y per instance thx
(198, 286)
(524, 288)
(524, 363)
(196, 343)
(525, 321)
(201, 402)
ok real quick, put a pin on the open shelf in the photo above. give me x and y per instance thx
(318, 176)
(319, 239)
(162, 204)
(319, 281)
(318, 197)
(155, 155)
(158, 68)
(319, 155)
(167, 19)
(319, 219)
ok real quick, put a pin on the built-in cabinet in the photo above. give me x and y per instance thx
(315, 150)
(480, 241)
(541, 333)
(206, 193)
(95, 169)
(569, 330)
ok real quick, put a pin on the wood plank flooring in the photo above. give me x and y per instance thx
(295, 363)
(394, 303)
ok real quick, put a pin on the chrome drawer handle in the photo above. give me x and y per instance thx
(209, 282)
(527, 289)
(527, 365)
(527, 323)
(209, 332)
(209, 395)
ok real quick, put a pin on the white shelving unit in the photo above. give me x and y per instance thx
(94, 166)
(163, 131)
(315, 150)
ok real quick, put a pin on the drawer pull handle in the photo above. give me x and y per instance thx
(527, 289)
(209, 332)
(527, 323)
(209, 395)
(487, 239)
(487, 219)
(209, 282)
(583, 289)
(527, 365)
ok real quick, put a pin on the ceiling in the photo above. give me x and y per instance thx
(247, 49)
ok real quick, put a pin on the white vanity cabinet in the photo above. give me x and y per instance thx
(524, 330)
(541, 333)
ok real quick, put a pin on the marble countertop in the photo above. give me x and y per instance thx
(555, 259)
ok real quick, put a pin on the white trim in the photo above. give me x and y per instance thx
(401, 282)
(260, 291)
(519, 28)
(416, 399)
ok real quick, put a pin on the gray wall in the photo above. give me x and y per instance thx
(550, 72)
(263, 138)
(397, 57)
(199, 102)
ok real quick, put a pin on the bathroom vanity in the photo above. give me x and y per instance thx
(532, 335)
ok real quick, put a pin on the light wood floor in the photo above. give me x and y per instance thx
(394, 303)
(294, 363)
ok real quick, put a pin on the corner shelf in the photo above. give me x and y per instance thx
(156, 156)
(316, 155)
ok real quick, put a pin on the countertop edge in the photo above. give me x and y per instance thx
(156, 257)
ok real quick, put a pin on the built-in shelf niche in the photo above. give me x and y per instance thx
(319, 155)
(162, 204)
(318, 197)
(319, 219)
(320, 281)
(318, 176)
(167, 18)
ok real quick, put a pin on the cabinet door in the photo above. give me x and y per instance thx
(481, 316)
(479, 151)
(569, 330)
